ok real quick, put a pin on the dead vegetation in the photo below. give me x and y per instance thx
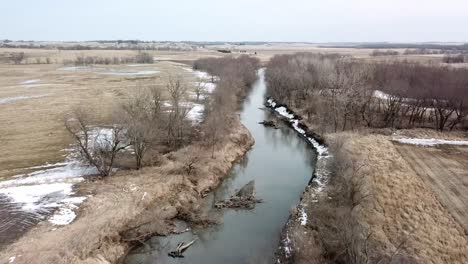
(141, 203)
(376, 209)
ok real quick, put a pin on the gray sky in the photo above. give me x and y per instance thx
(236, 20)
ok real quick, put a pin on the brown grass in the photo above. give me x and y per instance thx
(403, 207)
(117, 206)
(32, 131)
(445, 170)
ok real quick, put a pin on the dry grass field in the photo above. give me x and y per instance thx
(35, 98)
(445, 170)
(403, 207)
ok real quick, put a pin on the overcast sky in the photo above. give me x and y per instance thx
(236, 20)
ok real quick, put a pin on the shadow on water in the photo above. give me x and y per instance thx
(281, 163)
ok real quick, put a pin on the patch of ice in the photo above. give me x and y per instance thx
(17, 98)
(302, 216)
(30, 81)
(430, 141)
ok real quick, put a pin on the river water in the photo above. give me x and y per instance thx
(281, 163)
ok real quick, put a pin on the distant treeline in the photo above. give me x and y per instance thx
(426, 47)
(342, 93)
(141, 57)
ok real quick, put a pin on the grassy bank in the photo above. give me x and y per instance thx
(132, 206)
(374, 209)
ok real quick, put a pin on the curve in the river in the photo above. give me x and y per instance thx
(281, 163)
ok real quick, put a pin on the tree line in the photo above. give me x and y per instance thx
(341, 93)
(150, 121)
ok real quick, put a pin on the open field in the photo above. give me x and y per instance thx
(35, 99)
(445, 170)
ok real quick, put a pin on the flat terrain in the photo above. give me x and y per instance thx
(36, 98)
(445, 170)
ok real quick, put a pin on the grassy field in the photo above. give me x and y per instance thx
(445, 170)
(35, 99)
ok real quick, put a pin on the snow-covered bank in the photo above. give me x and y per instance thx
(300, 128)
(431, 142)
(299, 220)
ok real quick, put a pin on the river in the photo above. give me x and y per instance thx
(281, 163)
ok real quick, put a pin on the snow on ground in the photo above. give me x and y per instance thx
(381, 95)
(108, 71)
(430, 141)
(283, 111)
(5, 100)
(302, 216)
(127, 72)
(196, 113)
(73, 68)
(209, 87)
(30, 81)
(51, 187)
(140, 65)
(321, 172)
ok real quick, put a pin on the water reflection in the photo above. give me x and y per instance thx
(281, 163)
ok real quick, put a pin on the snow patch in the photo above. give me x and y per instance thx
(195, 114)
(17, 98)
(321, 171)
(125, 72)
(302, 216)
(381, 95)
(66, 214)
(12, 259)
(30, 81)
(430, 141)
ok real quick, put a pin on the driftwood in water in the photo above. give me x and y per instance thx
(244, 198)
(269, 123)
(181, 247)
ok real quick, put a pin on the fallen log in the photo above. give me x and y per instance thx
(269, 123)
(181, 247)
(243, 199)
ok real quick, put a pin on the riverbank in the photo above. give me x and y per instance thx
(297, 244)
(367, 210)
(132, 205)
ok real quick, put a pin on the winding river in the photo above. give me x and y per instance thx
(281, 163)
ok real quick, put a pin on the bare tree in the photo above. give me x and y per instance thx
(178, 112)
(97, 147)
(17, 57)
(142, 117)
(199, 88)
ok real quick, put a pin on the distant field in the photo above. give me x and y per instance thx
(445, 170)
(35, 98)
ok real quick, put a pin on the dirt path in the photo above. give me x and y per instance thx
(445, 170)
